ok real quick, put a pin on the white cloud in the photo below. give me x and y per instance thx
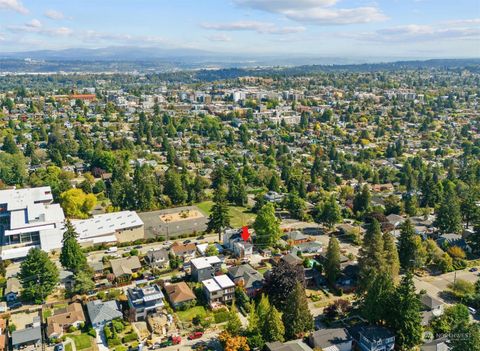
(455, 30)
(319, 12)
(36, 27)
(219, 37)
(13, 5)
(55, 15)
(259, 27)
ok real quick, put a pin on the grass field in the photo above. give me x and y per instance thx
(82, 341)
(188, 315)
(68, 347)
(239, 216)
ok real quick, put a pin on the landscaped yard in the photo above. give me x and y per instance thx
(82, 341)
(188, 315)
(68, 347)
(239, 216)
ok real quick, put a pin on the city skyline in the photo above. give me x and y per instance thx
(349, 28)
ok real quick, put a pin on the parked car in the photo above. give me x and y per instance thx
(474, 269)
(58, 347)
(187, 242)
(195, 335)
(138, 247)
(472, 310)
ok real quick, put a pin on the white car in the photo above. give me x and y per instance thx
(472, 310)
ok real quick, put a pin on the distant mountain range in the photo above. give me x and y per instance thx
(126, 59)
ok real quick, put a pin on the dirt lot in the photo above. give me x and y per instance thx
(22, 319)
(180, 216)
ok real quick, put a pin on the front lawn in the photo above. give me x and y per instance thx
(68, 347)
(82, 341)
(188, 315)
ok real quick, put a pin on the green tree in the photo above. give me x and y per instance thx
(237, 192)
(391, 255)
(376, 299)
(267, 227)
(361, 201)
(145, 188)
(77, 204)
(219, 218)
(38, 275)
(234, 325)
(173, 187)
(84, 281)
(412, 253)
(405, 317)
(296, 314)
(273, 328)
(211, 250)
(72, 257)
(9, 145)
(332, 265)
(372, 256)
(452, 317)
(465, 337)
(448, 214)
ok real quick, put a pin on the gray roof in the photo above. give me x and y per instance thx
(13, 286)
(249, 275)
(294, 345)
(430, 301)
(99, 311)
(324, 338)
(23, 336)
(155, 255)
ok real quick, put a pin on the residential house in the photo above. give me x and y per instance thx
(332, 339)
(219, 290)
(30, 336)
(233, 241)
(123, 268)
(205, 268)
(157, 258)
(247, 277)
(185, 251)
(293, 345)
(101, 313)
(12, 289)
(97, 268)
(432, 308)
(449, 240)
(179, 294)
(145, 300)
(373, 338)
(64, 318)
(273, 196)
(309, 247)
(295, 237)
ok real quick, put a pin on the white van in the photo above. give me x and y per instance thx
(111, 249)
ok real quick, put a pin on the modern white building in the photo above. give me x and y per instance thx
(28, 219)
(107, 228)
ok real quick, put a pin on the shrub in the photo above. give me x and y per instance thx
(130, 337)
(72, 329)
(108, 332)
(456, 252)
(92, 332)
(221, 316)
(114, 342)
(118, 326)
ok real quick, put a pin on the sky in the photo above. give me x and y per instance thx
(329, 28)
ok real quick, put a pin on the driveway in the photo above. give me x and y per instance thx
(101, 340)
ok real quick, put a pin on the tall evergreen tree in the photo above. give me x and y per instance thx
(236, 190)
(72, 257)
(405, 316)
(376, 299)
(9, 145)
(174, 187)
(273, 328)
(296, 314)
(332, 265)
(331, 213)
(372, 256)
(219, 218)
(412, 253)
(391, 255)
(361, 201)
(448, 214)
(38, 275)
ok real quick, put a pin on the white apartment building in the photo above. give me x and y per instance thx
(28, 218)
(219, 290)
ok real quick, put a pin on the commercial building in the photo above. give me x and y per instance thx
(124, 226)
(29, 219)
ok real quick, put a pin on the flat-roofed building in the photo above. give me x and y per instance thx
(145, 300)
(205, 267)
(124, 226)
(219, 289)
(29, 219)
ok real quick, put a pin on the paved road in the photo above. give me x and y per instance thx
(434, 285)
